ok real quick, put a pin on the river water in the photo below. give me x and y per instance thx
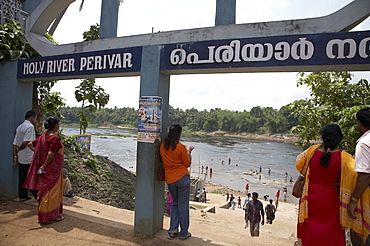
(246, 156)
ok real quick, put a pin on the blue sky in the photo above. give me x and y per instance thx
(225, 91)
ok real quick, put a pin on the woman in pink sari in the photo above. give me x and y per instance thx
(45, 173)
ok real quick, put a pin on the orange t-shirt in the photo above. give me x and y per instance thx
(176, 162)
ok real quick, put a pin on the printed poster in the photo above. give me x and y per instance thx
(84, 140)
(149, 119)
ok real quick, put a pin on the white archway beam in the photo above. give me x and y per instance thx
(342, 20)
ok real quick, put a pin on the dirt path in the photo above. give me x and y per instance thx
(92, 223)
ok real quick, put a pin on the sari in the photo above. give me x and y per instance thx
(348, 178)
(50, 183)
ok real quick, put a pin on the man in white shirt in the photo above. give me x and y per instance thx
(362, 167)
(22, 155)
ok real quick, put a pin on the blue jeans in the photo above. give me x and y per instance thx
(180, 191)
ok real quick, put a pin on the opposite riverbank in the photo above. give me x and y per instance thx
(284, 138)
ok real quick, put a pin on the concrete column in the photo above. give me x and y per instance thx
(149, 203)
(15, 101)
(109, 18)
(225, 12)
(30, 5)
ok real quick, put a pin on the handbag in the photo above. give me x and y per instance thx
(299, 183)
(298, 186)
(160, 174)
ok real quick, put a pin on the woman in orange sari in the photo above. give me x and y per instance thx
(45, 173)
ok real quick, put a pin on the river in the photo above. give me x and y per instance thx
(213, 151)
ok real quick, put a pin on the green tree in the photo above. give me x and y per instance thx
(92, 97)
(45, 103)
(92, 34)
(333, 100)
(13, 43)
(13, 46)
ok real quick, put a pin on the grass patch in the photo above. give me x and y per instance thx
(216, 192)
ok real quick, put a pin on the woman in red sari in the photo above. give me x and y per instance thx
(45, 173)
(320, 217)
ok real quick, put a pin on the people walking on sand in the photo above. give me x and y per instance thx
(204, 195)
(177, 159)
(232, 203)
(198, 196)
(255, 215)
(277, 195)
(326, 193)
(270, 212)
(239, 202)
(285, 191)
(230, 199)
(247, 199)
(276, 204)
(246, 188)
(45, 173)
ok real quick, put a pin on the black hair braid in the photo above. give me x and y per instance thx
(331, 136)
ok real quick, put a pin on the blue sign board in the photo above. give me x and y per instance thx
(340, 51)
(90, 63)
(277, 51)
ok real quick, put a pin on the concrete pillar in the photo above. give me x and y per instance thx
(30, 5)
(225, 12)
(149, 203)
(15, 101)
(109, 19)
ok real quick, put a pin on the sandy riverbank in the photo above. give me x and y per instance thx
(90, 223)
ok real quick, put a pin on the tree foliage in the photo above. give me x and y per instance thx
(13, 43)
(92, 97)
(333, 99)
(194, 120)
(92, 34)
(13, 46)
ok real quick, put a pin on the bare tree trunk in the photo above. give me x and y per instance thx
(37, 108)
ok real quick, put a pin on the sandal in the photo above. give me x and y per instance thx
(187, 236)
(60, 218)
(25, 199)
(171, 235)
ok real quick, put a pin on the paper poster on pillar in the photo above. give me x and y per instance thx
(149, 118)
